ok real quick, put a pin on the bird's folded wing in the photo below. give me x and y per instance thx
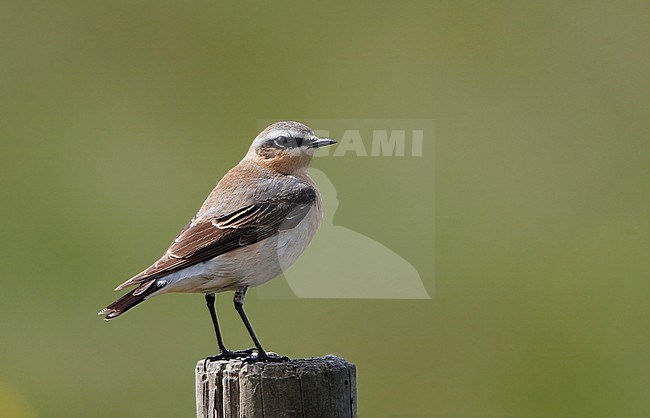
(204, 239)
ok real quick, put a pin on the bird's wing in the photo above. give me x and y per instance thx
(206, 238)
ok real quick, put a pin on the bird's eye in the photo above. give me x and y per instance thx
(288, 142)
(282, 141)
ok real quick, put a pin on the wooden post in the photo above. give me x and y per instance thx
(305, 388)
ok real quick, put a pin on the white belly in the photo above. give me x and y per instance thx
(248, 266)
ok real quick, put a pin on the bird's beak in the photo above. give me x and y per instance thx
(321, 142)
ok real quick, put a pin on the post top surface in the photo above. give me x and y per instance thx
(329, 361)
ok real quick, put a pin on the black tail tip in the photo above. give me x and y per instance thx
(109, 313)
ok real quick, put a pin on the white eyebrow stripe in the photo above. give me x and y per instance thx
(289, 134)
(276, 134)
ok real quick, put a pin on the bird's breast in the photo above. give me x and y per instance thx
(291, 243)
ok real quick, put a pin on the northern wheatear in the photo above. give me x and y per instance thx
(256, 222)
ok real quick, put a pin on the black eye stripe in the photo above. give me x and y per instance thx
(287, 142)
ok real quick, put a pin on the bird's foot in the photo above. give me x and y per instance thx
(266, 358)
(229, 355)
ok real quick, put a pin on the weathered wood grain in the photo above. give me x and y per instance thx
(314, 387)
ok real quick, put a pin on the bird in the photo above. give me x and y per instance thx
(253, 225)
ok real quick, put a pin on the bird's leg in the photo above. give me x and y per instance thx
(209, 301)
(224, 353)
(261, 354)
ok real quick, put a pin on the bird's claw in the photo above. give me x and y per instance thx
(229, 355)
(248, 356)
(266, 358)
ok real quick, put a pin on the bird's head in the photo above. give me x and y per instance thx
(286, 147)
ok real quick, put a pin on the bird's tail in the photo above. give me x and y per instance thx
(129, 300)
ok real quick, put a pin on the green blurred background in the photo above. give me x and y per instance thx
(117, 117)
